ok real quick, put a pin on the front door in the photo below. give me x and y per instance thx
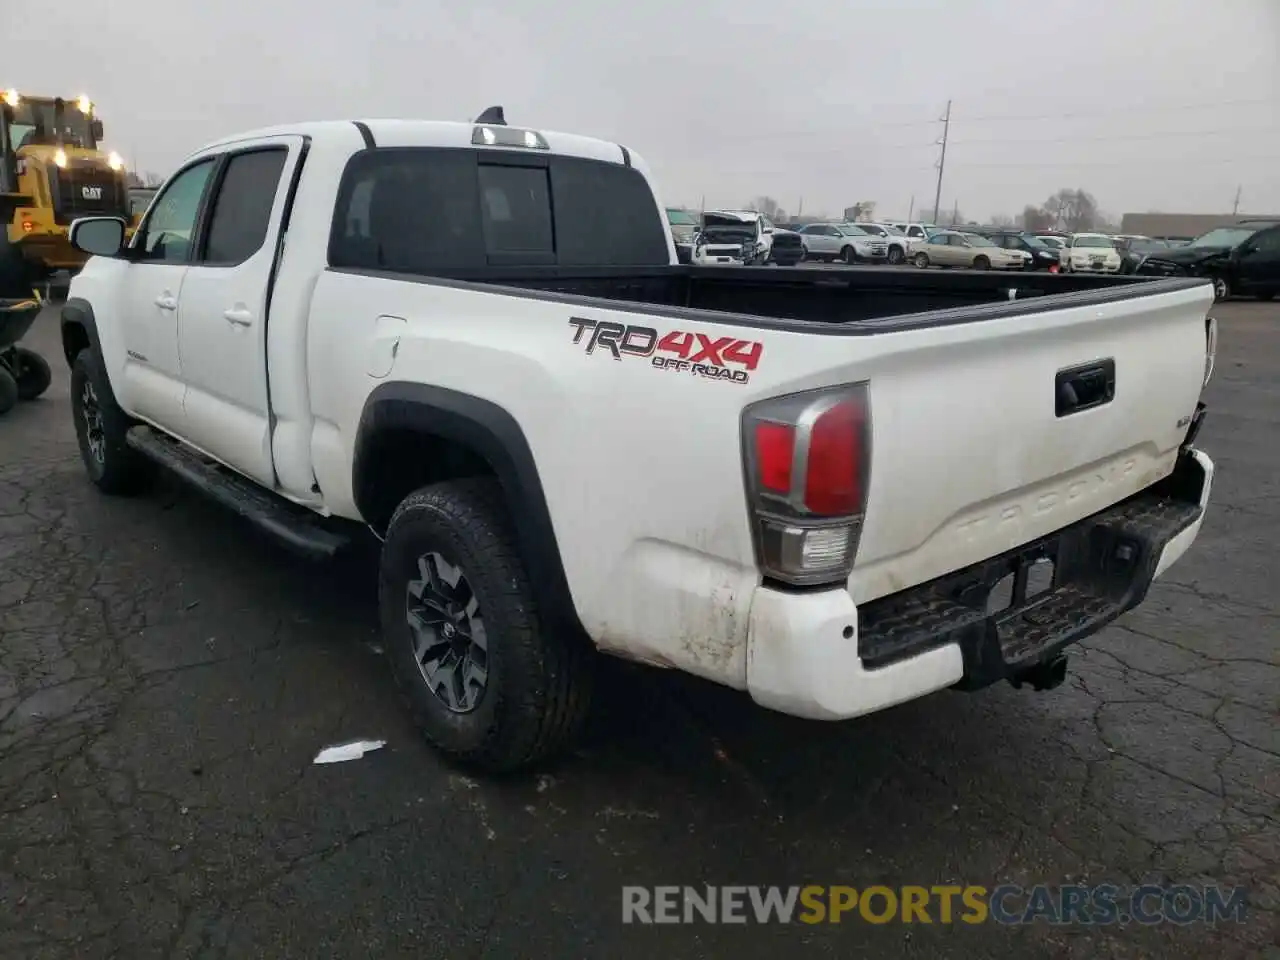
(152, 385)
(222, 324)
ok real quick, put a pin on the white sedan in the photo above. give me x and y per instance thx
(1090, 253)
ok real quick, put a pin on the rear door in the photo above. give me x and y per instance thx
(222, 323)
(1259, 266)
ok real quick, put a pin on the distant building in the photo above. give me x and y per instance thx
(1186, 225)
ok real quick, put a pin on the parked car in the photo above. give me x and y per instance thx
(1041, 255)
(684, 227)
(1052, 241)
(481, 349)
(756, 227)
(899, 247)
(726, 237)
(1094, 252)
(950, 248)
(1133, 250)
(916, 231)
(842, 241)
(786, 248)
(1243, 258)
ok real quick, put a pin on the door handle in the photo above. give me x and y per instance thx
(239, 316)
(167, 301)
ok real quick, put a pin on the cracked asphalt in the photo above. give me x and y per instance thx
(167, 676)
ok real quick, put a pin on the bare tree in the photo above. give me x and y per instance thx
(1072, 210)
(768, 206)
(1036, 218)
(1002, 220)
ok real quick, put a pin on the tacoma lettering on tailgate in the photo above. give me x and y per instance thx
(716, 358)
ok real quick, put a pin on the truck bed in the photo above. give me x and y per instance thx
(787, 297)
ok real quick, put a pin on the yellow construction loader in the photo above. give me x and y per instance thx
(52, 170)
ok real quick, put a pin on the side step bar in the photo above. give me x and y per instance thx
(296, 527)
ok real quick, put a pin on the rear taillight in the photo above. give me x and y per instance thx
(808, 457)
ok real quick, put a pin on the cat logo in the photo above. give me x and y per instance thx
(91, 193)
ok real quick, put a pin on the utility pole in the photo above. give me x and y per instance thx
(800, 208)
(942, 160)
(911, 210)
(955, 214)
(1236, 207)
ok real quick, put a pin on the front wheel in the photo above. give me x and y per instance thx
(1221, 288)
(486, 683)
(981, 263)
(31, 371)
(113, 466)
(847, 255)
(896, 255)
(921, 260)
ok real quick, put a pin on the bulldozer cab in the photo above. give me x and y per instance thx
(52, 170)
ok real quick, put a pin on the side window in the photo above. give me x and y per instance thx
(1268, 242)
(167, 234)
(915, 232)
(241, 210)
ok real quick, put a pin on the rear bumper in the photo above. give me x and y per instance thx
(819, 655)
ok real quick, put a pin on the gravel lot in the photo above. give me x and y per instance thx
(166, 677)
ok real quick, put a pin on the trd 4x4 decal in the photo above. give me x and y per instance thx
(717, 358)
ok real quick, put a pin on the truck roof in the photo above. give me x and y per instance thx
(436, 133)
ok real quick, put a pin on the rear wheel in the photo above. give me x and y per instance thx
(486, 682)
(921, 260)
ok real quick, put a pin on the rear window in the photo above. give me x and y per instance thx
(423, 210)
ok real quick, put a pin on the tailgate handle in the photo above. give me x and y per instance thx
(1084, 387)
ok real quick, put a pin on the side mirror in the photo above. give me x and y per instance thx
(98, 236)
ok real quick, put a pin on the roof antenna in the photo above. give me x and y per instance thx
(493, 116)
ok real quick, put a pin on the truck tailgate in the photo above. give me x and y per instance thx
(988, 435)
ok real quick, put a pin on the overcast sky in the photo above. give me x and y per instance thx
(1149, 104)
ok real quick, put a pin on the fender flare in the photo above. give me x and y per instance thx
(492, 433)
(78, 312)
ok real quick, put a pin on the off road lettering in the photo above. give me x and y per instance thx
(706, 356)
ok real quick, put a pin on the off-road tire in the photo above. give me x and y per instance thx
(538, 684)
(120, 470)
(31, 371)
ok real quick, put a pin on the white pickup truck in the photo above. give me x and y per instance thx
(835, 490)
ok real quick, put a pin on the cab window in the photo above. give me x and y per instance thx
(167, 233)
